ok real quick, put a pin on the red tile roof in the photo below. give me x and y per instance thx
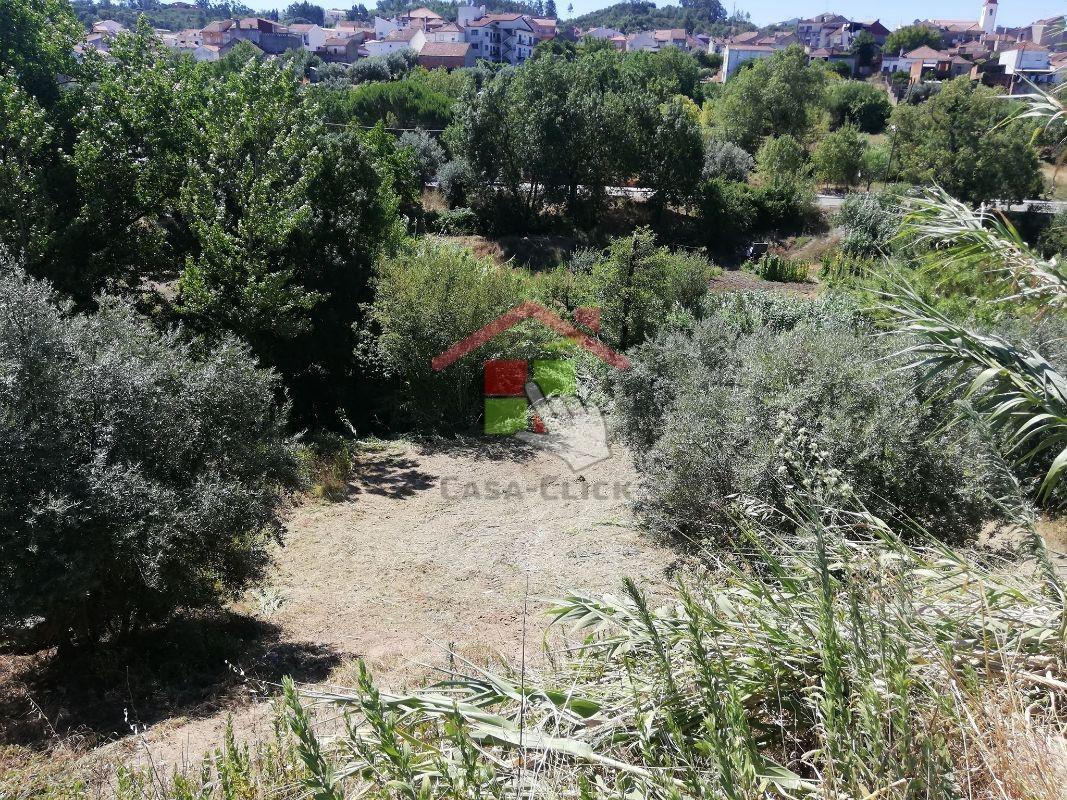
(445, 49)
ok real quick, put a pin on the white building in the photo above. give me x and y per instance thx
(988, 20)
(507, 38)
(1030, 61)
(312, 37)
(410, 38)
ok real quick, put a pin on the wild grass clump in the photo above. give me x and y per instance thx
(836, 660)
(326, 466)
(775, 267)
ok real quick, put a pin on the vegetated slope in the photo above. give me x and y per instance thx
(707, 17)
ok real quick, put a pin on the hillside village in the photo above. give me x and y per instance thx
(996, 55)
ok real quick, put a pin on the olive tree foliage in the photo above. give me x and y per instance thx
(726, 161)
(429, 155)
(708, 405)
(142, 473)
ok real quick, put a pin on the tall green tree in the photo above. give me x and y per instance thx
(775, 96)
(136, 128)
(910, 37)
(838, 157)
(27, 152)
(37, 39)
(673, 163)
(288, 219)
(962, 139)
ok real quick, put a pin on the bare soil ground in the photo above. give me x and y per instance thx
(438, 546)
(736, 280)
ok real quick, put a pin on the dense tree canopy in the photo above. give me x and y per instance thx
(700, 16)
(776, 95)
(960, 139)
(37, 39)
(910, 37)
(277, 213)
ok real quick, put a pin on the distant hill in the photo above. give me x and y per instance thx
(389, 8)
(159, 16)
(698, 16)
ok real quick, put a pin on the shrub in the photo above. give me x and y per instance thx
(784, 206)
(774, 267)
(858, 103)
(141, 474)
(367, 70)
(701, 408)
(870, 222)
(428, 297)
(726, 161)
(727, 212)
(637, 285)
(429, 155)
(456, 182)
(1053, 240)
(457, 222)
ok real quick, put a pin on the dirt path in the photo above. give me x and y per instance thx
(437, 545)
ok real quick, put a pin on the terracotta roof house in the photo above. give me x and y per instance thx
(449, 55)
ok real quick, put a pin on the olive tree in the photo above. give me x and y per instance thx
(142, 474)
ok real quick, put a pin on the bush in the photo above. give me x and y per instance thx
(702, 405)
(456, 182)
(728, 214)
(141, 474)
(430, 296)
(858, 103)
(774, 267)
(1053, 240)
(429, 155)
(638, 285)
(726, 161)
(870, 221)
(368, 70)
(457, 222)
(784, 206)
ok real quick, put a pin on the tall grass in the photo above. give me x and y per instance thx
(836, 662)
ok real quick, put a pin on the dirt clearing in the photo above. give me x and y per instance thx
(437, 546)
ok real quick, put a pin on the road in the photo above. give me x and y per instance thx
(833, 201)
